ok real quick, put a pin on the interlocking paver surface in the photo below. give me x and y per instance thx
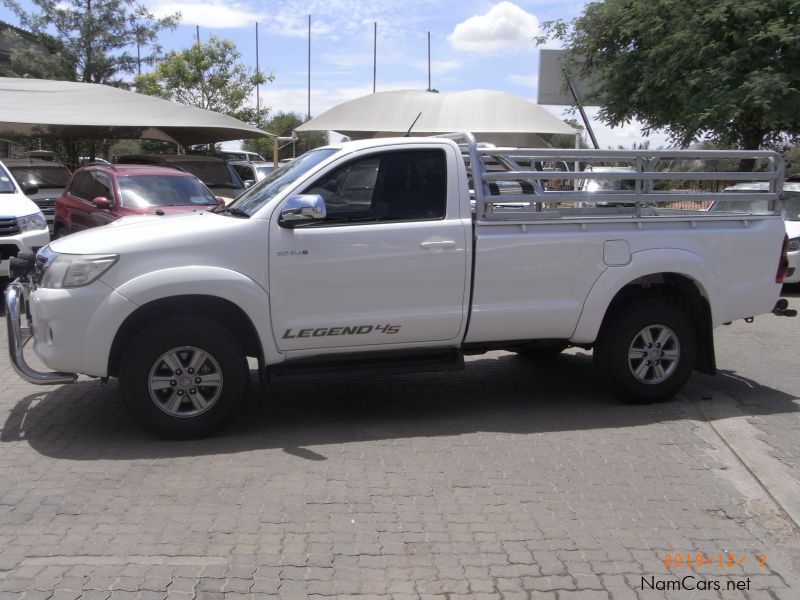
(511, 479)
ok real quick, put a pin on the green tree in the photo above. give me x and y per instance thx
(209, 76)
(792, 158)
(563, 140)
(34, 55)
(725, 70)
(282, 124)
(100, 36)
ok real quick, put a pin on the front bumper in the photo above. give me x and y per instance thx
(19, 335)
(30, 241)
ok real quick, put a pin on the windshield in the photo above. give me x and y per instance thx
(6, 185)
(264, 171)
(143, 191)
(790, 209)
(742, 206)
(41, 176)
(274, 183)
(212, 173)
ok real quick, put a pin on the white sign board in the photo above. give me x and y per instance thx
(553, 89)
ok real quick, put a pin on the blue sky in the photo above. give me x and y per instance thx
(474, 44)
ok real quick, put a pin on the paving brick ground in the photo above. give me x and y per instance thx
(512, 479)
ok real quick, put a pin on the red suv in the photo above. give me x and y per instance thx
(99, 194)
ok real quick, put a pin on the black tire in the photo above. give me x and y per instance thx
(199, 396)
(543, 351)
(60, 232)
(661, 368)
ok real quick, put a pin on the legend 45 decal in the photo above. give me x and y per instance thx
(329, 331)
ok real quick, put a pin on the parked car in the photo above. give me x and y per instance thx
(215, 173)
(790, 211)
(49, 177)
(230, 155)
(99, 194)
(23, 227)
(252, 171)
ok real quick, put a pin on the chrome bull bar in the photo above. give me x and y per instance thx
(19, 336)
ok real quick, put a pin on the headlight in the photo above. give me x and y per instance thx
(76, 270)
(794, 244)
(31, 222)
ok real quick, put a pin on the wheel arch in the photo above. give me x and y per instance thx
(223, 311)
(682, 291)
(677, 275)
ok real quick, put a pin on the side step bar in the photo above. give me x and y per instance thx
(17, 340)
(420, 361)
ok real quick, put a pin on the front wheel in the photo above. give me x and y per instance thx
(647, 352)
(183, 377)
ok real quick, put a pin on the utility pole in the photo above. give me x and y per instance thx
(258, 76)
(374, 55)
(429, 61)
(308, 112)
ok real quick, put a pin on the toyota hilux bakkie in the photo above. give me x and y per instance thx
(402, 254)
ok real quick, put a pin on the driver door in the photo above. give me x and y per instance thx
(388, 265)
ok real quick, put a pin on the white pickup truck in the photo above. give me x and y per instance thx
(407, 254)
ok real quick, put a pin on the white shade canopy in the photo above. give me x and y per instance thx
(66, 109)
(496, 117)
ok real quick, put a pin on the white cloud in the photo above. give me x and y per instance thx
(506, 25)
(214, 14)
(526, 80)
(291, 25)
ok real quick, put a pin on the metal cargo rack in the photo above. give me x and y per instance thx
(503, 189)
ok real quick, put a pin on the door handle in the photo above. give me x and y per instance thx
(438, 244)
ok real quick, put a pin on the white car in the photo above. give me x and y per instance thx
(23, 227)
(790, 211)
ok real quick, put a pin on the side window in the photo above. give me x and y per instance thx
(393, 186)
(102, 186)
(82, 186)
(244, 172)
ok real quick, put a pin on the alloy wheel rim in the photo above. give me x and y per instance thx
(653, 354)
(185, 382)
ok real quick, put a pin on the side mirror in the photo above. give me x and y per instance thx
(29, 188)
(248, 182)
(102, 202)
(302, 209)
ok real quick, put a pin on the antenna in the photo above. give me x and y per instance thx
(408, 133)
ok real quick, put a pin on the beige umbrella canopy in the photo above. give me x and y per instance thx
(496, 117)
(66, 109)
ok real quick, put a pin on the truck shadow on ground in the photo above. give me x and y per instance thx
(504, 393)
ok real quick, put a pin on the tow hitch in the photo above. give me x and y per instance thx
(782, 309)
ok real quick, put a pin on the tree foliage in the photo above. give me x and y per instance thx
(564, 140)
(209, 76)
(282, 124)
(98, 36)
(35, 55)
(721, 69)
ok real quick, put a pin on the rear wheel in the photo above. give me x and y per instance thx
(647, 352)
(183, 377)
